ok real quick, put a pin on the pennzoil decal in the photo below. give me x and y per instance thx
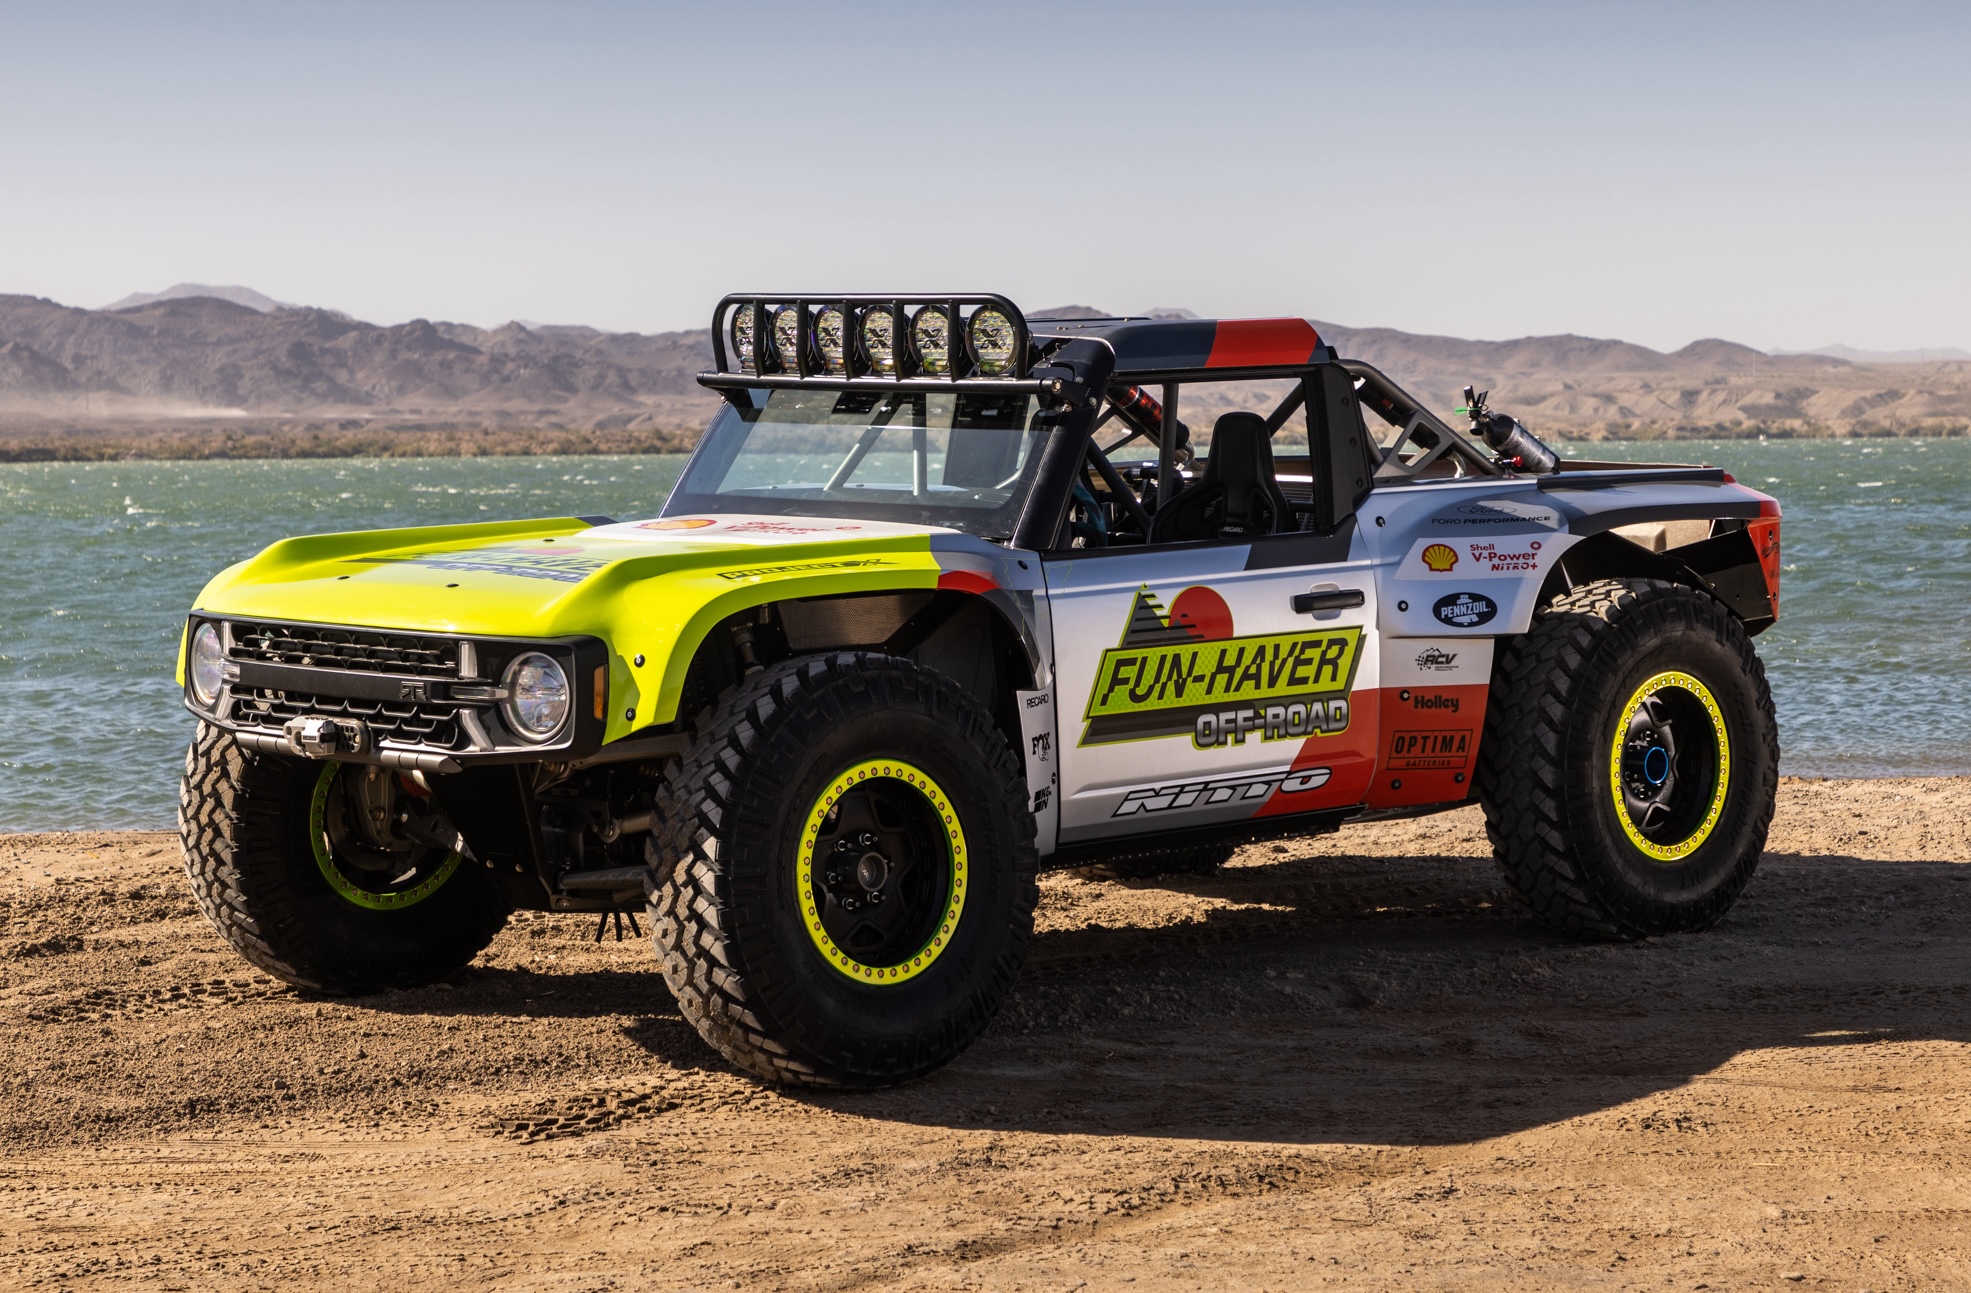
(1185, 673)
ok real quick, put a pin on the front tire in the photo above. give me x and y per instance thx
(280, 870)
(843, 878)
(1631, 760)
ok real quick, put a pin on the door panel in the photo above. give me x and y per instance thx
(1190, 691)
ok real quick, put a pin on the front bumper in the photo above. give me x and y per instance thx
(424, 702)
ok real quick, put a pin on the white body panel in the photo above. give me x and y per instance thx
(1170, 666)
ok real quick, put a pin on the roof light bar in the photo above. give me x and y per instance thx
(895, 339)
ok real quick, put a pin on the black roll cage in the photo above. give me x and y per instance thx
(1073, 372)
(1332, 456)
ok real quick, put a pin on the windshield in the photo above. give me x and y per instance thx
(961, 460)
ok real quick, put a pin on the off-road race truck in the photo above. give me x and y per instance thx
(943, 597)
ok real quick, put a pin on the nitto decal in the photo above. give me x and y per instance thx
(1437, 660)
(1439, 557)
(1172, 670)
(1429, 749)
(1465, 610)
(757, 571)
(1224, 790)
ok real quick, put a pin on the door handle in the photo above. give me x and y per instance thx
(1311, 603)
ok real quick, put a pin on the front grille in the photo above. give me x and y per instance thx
(357, 650)
(431, 724)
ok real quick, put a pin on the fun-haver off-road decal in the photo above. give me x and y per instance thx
(1185, 673)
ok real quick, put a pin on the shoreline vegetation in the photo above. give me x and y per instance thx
(353, 438)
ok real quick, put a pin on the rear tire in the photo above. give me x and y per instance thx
(1631, 760)
(843, 873)
(264, 865)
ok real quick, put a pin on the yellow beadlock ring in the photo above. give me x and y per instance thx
(1689, 844)
(325, 858)
(923, 957)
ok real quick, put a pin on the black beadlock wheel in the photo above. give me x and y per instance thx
(1631, 760)
(842, 884)
(284, 871)
(1149, 862)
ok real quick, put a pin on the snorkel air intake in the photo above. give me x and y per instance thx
(1515, 446)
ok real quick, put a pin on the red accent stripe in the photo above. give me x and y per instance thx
(966, 581)
(1253, 343)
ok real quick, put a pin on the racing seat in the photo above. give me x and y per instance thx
(1236, 495)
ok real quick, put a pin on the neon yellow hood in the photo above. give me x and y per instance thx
(650, 588)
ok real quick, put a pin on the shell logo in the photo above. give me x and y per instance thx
(1439, 557)
(686, 523)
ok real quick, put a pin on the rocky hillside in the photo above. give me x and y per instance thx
(1592, 388)
(202, 358)
(197, 374)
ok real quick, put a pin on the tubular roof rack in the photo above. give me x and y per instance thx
(972, 341)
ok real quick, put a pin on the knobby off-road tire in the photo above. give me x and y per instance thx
(1612, 721)
(247, 822)
(1149, 863)
(813, 781)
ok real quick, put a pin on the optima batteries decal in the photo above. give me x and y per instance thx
(1186, 673)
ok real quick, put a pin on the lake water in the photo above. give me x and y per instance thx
(1869, 661)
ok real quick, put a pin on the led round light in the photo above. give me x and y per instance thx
(208, 663)
(831, 336)
(742, 335)
(879, 339)
(787, 337)
(930, 331)
(993, 339)
(537, 700)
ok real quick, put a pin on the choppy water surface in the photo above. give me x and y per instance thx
(101, 562)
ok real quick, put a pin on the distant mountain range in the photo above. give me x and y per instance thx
(1939, 355)
(230, 359)
(246, 296)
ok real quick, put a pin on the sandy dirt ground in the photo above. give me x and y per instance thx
(1347, 1062)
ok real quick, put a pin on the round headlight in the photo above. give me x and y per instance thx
(930, 332)
(742, 335)
(537, 700)
(207, 664)
(787, 337)
(831, 336)
(879, 339)
(993, 339)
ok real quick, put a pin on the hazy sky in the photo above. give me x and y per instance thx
(1785, 175)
